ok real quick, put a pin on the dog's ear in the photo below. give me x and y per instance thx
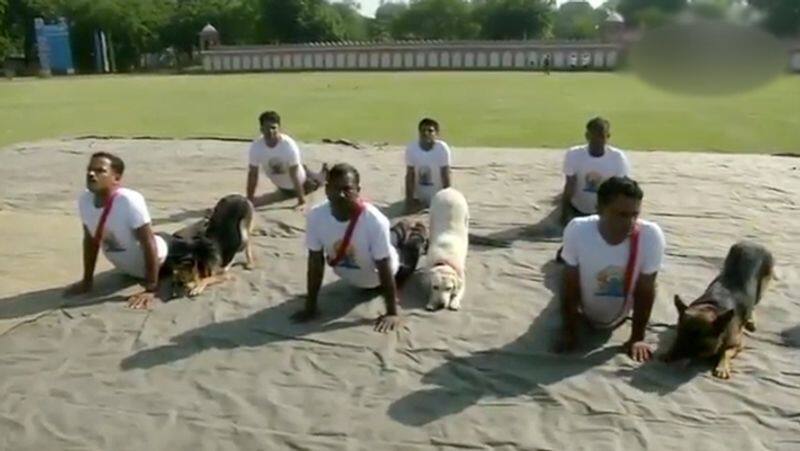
(723, 320)
(679, 305)
(456, 286)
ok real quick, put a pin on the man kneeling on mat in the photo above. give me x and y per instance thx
(354, 238)
(612, 260)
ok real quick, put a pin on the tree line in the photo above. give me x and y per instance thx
(141, 26)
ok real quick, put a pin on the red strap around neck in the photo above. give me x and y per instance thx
(98, 233)
(630, 268)
(632, 255)
(348, 234)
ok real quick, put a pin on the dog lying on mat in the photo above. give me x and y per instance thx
(713, 325)
(447, 249)
(203, 257)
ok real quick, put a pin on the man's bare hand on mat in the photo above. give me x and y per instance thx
(639, 351)
(386, 323)
(142, 301)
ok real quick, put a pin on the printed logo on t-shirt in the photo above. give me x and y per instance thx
(425, 176)
(610, 282)
(349, 259)
(111, 243)
(592, 180)
(275, 166)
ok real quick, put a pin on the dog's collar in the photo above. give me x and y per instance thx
(709, 304)
(444, 262)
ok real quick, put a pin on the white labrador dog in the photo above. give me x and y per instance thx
(447, 249)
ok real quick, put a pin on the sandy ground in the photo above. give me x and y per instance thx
(228, 370)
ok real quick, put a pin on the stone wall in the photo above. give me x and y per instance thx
(425, 55)
(505, 55)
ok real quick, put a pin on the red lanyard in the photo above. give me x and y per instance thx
(348, 235)
(98, 233)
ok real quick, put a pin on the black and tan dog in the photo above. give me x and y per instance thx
(202, 254)
(410, 238)
(713, 325)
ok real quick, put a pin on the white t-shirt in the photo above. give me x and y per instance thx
(602, 266)
(277, 160)
(370, 242)
(428, 166)
(591, 172)
(120, 245)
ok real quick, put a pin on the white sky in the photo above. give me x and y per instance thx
(368, 7)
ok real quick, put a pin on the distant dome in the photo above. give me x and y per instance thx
(615, 17)
(208, 29)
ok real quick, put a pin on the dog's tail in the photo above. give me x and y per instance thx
(231, 206)
(747, 266)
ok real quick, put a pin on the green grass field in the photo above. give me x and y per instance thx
(475, 109)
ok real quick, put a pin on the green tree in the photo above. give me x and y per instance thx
(5, 39)
(353, 23)
(436, 19)
(782, 17)
(513, 19)
(234, 19)
(385, 16)
(390, 11)
(610, 5)
(17, 25)
(290, 21)
(578, 20)
(132, 26)
(711, 9)
(649, 13)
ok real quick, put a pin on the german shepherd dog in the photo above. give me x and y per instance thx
(410, 238)
(203, 257)
(713, 325)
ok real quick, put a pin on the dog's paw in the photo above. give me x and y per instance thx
(249, 266)
(195, 291)
(431, 307)
(455, 305)
(722, 372)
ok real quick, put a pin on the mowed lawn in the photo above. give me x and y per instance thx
(522, 109)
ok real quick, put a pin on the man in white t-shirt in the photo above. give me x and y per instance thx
(279, 157)
(586, 167)
(127, 238)
(369, 261)
(427, 166)
(597, 253)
